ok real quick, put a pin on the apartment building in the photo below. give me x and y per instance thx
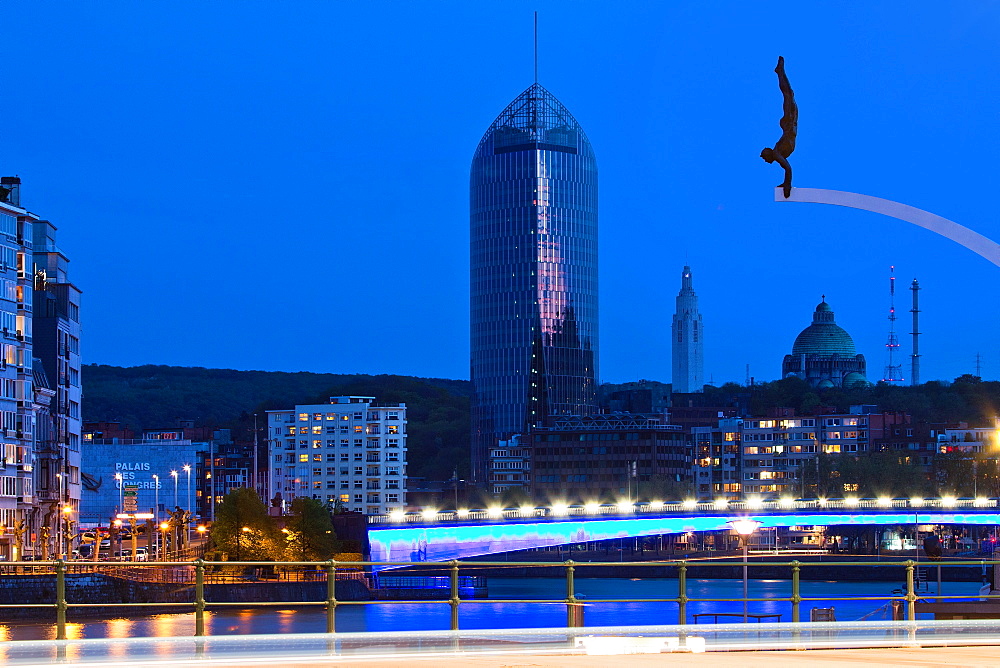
(350, 452)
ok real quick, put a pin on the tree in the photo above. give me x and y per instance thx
(243, 528)
(309, 531)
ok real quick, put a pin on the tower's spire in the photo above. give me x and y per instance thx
(536, 47)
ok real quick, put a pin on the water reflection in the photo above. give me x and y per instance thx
(481, 614)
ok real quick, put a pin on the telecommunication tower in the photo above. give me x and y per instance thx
(915, 357)
(893, 371)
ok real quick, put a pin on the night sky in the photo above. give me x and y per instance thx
(284, 186)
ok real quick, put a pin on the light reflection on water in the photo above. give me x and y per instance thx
(494, 614)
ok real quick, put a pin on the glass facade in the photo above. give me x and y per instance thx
(533, 211)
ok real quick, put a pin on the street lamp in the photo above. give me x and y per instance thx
(59, 518)
(173, 474)
(67, 511)
(744, 527)
(164, 526)
(156, 511)
(190, 506)
(121, 492)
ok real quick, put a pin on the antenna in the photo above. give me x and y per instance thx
(893, 371)
(536, 47)
(979, 365)
(915, 357)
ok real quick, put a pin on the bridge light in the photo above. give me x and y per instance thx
(948, 501)
(559, 508)
(821, 501)
(851, 501)
(494, 511)
(397, 515)
(916, 502)
(526, 511)
(755, 502)
(690, 504)
(656, 505)
(884, 501)
(721, 504)
(592, 508)
(462, 512)
(429, 514)
(981, 502)
(787, 502)
(625, 507)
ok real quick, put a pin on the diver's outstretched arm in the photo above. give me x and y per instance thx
(786, 185)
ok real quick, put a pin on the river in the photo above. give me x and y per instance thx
(495, 614)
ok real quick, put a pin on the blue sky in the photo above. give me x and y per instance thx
(284, 186)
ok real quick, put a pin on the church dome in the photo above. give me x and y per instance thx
(824, 336)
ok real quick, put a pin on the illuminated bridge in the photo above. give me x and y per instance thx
(432, 535)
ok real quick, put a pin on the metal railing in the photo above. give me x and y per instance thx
(202, 573)
(625, 509)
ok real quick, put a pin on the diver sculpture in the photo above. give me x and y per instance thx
(789, 128)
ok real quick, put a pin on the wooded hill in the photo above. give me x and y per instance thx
(152, 396)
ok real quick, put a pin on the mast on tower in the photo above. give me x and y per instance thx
(915, 356)
(893, 371)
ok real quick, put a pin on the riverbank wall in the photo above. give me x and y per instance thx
(813, 568)
(104, 594)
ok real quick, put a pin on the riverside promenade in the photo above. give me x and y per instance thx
(973, 657)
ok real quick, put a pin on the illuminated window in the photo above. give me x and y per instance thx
(317, 444)
(392, 429)
(317, 458)
(358, 429)
(317, 416)
(303, 458)
(318, 429)
(303, 417)
(331, 416)
(291, 431)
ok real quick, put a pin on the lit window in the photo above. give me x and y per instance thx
(318, 429)
(303, 417)
(303, 458)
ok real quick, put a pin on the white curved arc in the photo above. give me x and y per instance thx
(975, 242)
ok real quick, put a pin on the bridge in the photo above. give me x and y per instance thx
(431, 535)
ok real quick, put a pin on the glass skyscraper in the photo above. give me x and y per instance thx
(533, 211)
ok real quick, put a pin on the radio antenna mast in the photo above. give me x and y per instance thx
(893, 371)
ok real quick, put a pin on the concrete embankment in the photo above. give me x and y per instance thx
(814, 567)
(104, 590)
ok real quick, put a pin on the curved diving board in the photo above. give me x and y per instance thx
(975, 242)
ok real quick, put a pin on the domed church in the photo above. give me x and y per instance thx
(823, 354)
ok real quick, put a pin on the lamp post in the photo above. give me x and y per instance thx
(156, 511)
(190, 506)
(164, 527)
(120, 481)
(67, 511)
(173, 474)
(59, 518)
(744, 527)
